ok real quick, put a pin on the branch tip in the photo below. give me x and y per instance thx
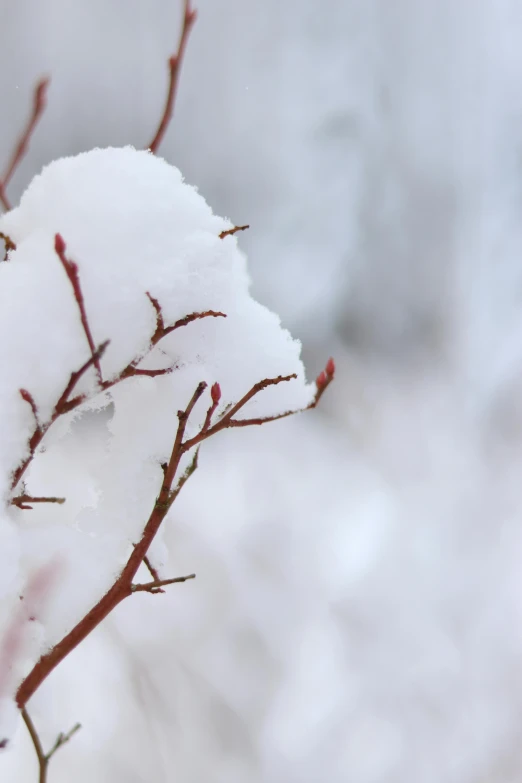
(215, 393)
(330, 368)
(59, 244)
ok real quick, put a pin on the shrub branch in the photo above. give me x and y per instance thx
(174, 63)
(39, 103)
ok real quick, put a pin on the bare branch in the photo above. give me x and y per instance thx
(124, 586)
(157, 584)
(38, 748)
(152, 571)
(162, 330)
(189, 17)
(71, 269)
(23, 501)
(64, 405)
(232, 231)
(62, 739)
(8, 242)
(43, 757)
(39, 103)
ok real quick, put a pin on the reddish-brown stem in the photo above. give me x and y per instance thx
(227, 419)
(8, 242)
(231, 231)
(39, 103)
(24, 501)
(123, 586)
(215, 396)
(189, 17)
(157, 584)
(152, 571)
(64, 405)
(43, 757)
(71, 270)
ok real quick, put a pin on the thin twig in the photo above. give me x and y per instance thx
(71, 269)
(162, 331)
(62, 739)
(231, 231)
(124, 585)
(189, 17)
(64, 405)
(23, 501)
(215, 396)
(152, 571)
(8, 243)
(43, 757)
(43, 761)
(157, 584)
(39, 103)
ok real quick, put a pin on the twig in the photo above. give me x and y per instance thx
(215, 396)
(152, 571)
(43, 757)
(229, 232)
(23, 501)
(124, 585)
(43, 763)
(162, 331)
(157, 584)
(64, 405)
(62, 739)
(189, 17)
(8, 242)
(71, 269)
(39, 103)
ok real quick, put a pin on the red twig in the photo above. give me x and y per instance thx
(24, 501)
(215, 396)
(162, 331)
(71, 269)
(64, 405)
(189, 17)
(39, 103)
(152, 571)
(124, 586)
(157, 584)
(231, 231)
(43, 757)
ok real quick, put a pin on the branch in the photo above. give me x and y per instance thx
(122, 588)
(232, 231)
(23, 501)
(43, 757)
(39, 103)
(124, 585)
(8, 242)
(189, 17)
(157, 584)
(40, 753)
(162, 331)
(71, 270)
(64, 405)
(152, 571)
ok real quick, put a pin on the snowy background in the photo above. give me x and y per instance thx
(357, 614)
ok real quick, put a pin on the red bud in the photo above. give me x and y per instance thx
(321, 379)
(59, 244)
(215, 393)
(330, 367)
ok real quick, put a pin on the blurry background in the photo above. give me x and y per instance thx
(357, 614)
